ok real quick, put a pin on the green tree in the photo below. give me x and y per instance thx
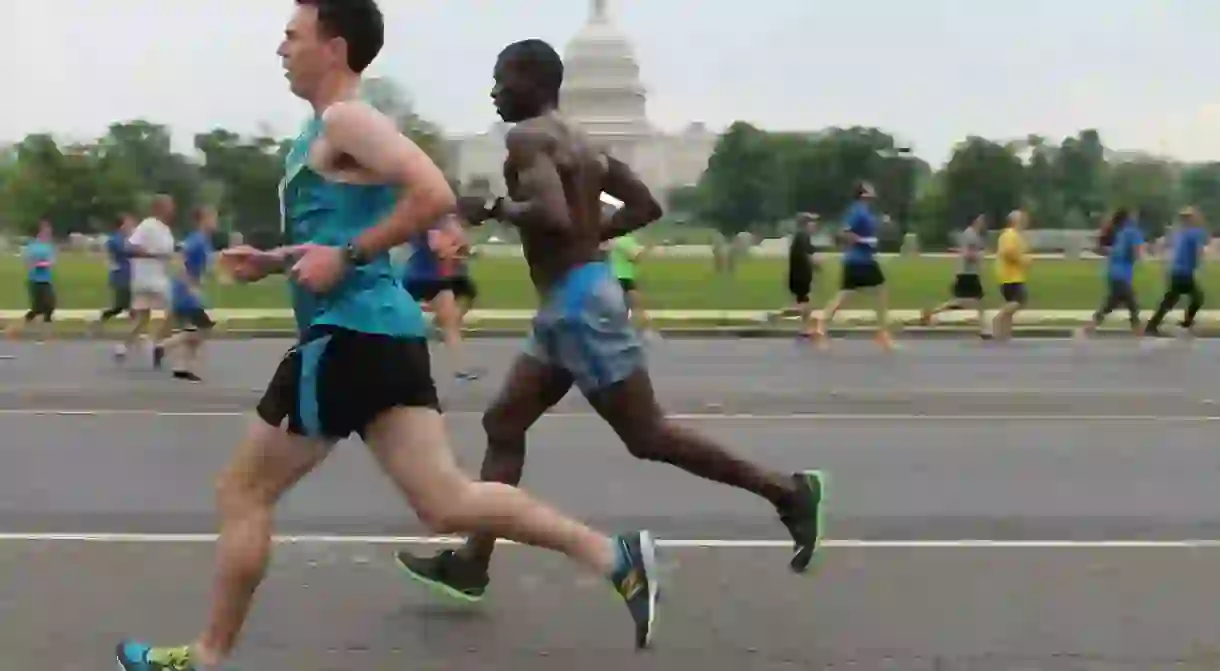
(1200, 186)
(742, 185)
(1147, 185)
(142, 151)
(1043, 198)
(1080, 171)
(245, 175)
(982, 177)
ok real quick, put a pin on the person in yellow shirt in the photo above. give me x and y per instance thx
(1012, 270)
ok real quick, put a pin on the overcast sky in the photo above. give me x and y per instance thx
(1142, 71)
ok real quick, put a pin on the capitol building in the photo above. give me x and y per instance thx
(603, 94)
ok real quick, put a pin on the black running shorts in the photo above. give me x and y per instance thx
(967, 286)
(335, 382)
(863, 275)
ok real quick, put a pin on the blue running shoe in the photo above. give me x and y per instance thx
(636, 582)
(133, 656)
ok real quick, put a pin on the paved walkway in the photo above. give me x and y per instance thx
(994, 509)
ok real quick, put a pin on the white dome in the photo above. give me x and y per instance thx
(599, 39)
(601, 89)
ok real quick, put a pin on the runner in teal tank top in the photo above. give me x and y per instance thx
(354, 188)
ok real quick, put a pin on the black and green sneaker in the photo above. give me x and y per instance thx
(804, 518)
(447, 573)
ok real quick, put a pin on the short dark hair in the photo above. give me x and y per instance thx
(539, 61)
(358, 22)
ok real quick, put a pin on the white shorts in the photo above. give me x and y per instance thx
(149, 296)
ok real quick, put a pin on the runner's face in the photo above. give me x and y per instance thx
(303, 53)
(207, 220)
(511, 93)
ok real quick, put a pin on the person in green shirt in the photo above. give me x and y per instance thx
(624, 254)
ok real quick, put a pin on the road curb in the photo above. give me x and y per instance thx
(709, 332)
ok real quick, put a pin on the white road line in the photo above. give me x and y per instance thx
(688, 417)
(718, 544)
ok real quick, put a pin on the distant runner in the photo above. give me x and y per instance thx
(430, 275)
(1126, 250)
(968, 285)
(1189, 244)
(39, 256)
(120, 272)
(1012, 273)
(625, 253)
(802, 266)
(188, 308)
(861, 271)
(150, 246)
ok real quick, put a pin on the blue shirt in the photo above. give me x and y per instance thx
(1187, 245)
(370, 299)
(862, 223)
(120, 260)
(1121, 264)
(39, 252)
(196, 253)
(423, 264)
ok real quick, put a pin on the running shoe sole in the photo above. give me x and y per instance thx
(436, 586)
(648, 552)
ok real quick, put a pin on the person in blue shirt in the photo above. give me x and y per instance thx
(354, 188)
(861, 271)
(188, 309)
(1124, 252)
(430, 279)
(1185, 255)
(120, 270)
(39, 255)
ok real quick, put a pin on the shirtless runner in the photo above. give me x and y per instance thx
(582, 334)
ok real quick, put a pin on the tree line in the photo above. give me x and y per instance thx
(85, 186)
(756, 178)
(753, 180)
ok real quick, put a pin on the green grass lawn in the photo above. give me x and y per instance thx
(668, 283)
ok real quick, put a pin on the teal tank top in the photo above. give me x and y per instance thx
(370, 299)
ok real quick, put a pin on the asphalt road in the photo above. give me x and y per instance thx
(946, 441)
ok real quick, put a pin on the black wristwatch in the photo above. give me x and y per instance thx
(353, 256)
(493, 207)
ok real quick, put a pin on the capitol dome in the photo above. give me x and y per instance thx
(599, 40)
(602, 89)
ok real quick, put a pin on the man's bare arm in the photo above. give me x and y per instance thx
(369, 137)
(543, 205)
(639, 208)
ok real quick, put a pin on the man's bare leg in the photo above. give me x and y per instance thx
(140, 320)
(828, 316)
(881, 309)
(631, 409)
(448, 315)
(639, 314)
(928, 314)
(531, 389)
(1002, 323)
(411, 447)
(266, 464)
(163, 332)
